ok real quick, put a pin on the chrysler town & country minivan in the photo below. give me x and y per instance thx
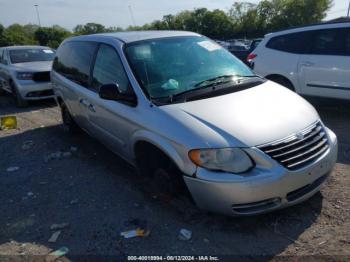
(185, 111)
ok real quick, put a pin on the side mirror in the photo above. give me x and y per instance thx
(112, 92)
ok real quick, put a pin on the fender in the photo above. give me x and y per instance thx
(165, 145)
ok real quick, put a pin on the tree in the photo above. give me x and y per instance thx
(2, 37)
(17, 34)
(272, 15)
(89, 28)
(51, 36)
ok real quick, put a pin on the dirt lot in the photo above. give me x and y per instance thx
(99, 195)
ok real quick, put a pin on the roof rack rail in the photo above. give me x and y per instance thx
(338, 20)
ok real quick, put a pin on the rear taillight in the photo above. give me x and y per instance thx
(250, 57)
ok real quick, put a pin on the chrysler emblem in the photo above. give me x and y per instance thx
(300, 136)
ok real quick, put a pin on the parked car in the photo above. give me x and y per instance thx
(187, 113)
(242, 51)
(312, 60)
(224, 44)
(25, 72)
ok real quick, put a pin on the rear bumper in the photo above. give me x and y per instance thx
(31, 90)
(266, 188)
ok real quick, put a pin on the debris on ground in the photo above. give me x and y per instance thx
(27, 145)
(8, 122)
(56, 254)
(73, 149)
(138, 232)
(12, 168)
(185, 234)
(59, 226)
(66, 154)
(54, 236)
(55, 155)
(74, 201)
(58, 155)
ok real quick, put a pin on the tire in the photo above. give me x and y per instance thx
(168, 180)
(2, 91)
(68, 122)
(162, 173)
(20, 102)
(282, 81)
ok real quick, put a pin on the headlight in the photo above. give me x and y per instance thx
(233, 160)
(24, 76)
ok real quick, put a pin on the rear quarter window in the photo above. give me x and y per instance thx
(297, 43)
(334, 41)
(73, 61)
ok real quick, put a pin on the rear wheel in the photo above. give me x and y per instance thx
(20, 102)
(68, 121)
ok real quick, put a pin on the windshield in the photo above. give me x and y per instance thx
(31, 55)
(170, 66)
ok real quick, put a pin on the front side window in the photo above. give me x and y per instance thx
(108, 69)
(31, 55)
(73, 61)
(170, 66)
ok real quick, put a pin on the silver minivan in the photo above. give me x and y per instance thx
(187, 113)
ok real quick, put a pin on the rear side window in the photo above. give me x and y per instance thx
(108, 69)
(297, 43)
(331, 42)
(73, 61)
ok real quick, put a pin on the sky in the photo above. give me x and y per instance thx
(69, 13)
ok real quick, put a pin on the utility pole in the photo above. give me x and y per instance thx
(37, 14)
(132, 15)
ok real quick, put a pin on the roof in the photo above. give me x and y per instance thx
(133, 36)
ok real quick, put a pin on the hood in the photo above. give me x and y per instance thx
(255, 116)
(38, 66)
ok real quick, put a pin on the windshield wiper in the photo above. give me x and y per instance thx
(220, 80)
(201, 87)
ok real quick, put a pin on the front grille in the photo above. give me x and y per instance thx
(41, 76)
(297, 151)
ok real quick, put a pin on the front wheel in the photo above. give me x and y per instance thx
(164, 176)
(20, 102)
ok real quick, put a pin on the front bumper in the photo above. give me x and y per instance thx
(31, 90)
(269, 186)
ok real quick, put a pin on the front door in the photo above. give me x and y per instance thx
(110, 120)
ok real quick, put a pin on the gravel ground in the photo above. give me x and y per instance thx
(99, 196)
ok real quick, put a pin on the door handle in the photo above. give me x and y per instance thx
(84, 102)
(92, 108)
(306, 63)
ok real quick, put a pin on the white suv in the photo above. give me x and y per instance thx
(312, 60)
